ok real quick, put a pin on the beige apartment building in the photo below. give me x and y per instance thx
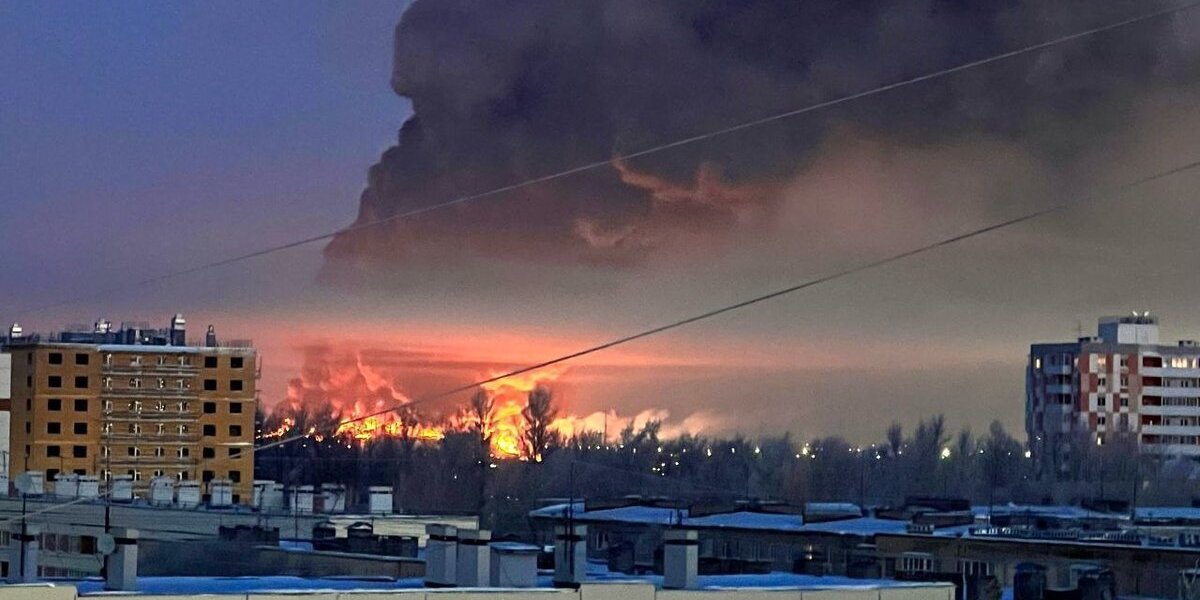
(134, 401)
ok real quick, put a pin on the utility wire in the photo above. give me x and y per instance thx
(745, 125)
(1029, 216)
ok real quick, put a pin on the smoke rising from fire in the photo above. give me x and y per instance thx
(508, 90)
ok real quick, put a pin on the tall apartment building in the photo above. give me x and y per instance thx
(1120, 381)
(133, 401)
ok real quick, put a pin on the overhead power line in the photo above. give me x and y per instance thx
(1029, 216)
(613, 160)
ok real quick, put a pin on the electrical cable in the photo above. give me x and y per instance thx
(617, 158)
(1025, 217)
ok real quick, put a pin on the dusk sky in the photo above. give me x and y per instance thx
(144, 138)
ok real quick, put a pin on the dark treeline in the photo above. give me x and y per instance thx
(457, 475)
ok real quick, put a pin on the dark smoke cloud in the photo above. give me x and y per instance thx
(505, 90)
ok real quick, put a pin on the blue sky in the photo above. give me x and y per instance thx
(205, 128)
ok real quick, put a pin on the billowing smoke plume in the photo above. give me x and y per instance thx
(507, 90)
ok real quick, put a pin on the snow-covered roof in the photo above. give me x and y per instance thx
(744, 520)
(298, 585)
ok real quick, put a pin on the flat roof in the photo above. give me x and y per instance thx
(290, 585)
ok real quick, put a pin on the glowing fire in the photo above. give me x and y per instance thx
(284, 427)
(387, 425)
(509, 396)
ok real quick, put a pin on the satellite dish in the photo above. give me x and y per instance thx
(106, 544)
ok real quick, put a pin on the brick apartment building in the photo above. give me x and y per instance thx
(1122, 381)
(133, 401)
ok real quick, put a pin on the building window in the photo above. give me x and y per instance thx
(107, 359)
(1124, 401)
(81, 382)
(183, 429)
(207, 476)
(158, 472)
(210, 430)
(54, 381)
(55, 358)
(183, 360)
(135, 428)
(135, 361)
(235, 430)
(108, 406)
(183, 407)
(1124, 360)
(81, 405)
(108, 383)
(135, 451)
(210, 408)
(54, 404)
(235, 453)
(28, 427)
(181, 384)
(80, 428)
(53, 451)
(210, 362)
(236, 362)
(162, 360)
(1102, 401)
(79, 451)
(105, 451)
(161, 428)
(82, 359)
(162, 383)
(53, 428)
(1102, 420)
(209, 453)
(235, 385)
(183, 453)
(235, 408)
(210, 385)
(158, 451)
(182, 475)
(235, 476)
(137, 475)
(135, 383)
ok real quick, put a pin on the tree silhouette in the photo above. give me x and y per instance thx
(538, 414)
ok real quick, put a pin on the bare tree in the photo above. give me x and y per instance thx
(481, 415)
(538, 413)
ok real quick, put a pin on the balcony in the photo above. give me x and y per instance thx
(1056, 388)
(150, 437)
(1170, 429)
(1170, 411)
(149, 392)
(171, 460)
(1171, 392)
(151, 414)
(149, 369)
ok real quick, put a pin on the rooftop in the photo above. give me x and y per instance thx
(596, 575)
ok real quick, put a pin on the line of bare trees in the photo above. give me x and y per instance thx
(457, 474)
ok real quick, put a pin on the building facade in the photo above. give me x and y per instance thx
(134, 401)
(1122, 382)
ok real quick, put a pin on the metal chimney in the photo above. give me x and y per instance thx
(178, 330)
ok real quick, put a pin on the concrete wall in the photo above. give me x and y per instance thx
(596, 591)
(218, 558)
